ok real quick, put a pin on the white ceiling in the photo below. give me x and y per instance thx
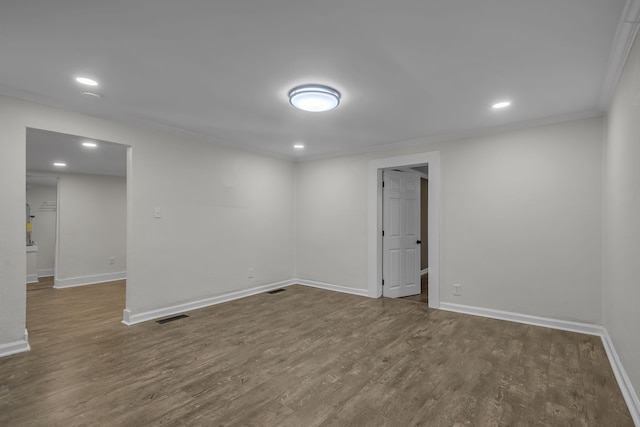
(406, 69)
(44, 148)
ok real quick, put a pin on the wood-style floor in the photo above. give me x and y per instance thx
(42, 283)
(423, 296)
(302, 357)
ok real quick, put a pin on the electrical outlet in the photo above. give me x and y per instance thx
(251, 273)
(457, 289)
(112, 260)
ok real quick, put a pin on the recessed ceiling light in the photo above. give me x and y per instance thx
(59, 164)
(86, 81)
(298, 146)
(314, 98)
(89, 144)
(501, 104)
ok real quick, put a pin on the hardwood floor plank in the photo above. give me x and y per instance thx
(303, 357)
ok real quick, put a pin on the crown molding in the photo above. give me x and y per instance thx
(622, 42)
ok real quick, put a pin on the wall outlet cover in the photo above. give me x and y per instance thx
(457, 289)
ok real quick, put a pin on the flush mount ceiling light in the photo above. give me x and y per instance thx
(298, 146)
(86, 81)
(500, 105)
(89, 144)
(59, 164)
(314, 98)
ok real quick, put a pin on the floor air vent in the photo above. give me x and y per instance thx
(276, 291)
(171, 319)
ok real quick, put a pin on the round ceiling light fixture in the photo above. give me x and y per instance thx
(86, 81)
(500, 105)
(314, 98)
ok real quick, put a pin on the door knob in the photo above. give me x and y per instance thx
(418, 242)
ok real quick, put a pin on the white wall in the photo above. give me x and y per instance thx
(224, 211)
(331, 220)
(43, 226)
(93, 212)
(520, 220)
(621, 290)
(13, 261)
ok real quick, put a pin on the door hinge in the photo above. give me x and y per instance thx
(382, 282)
(382, 233)
(382, 184)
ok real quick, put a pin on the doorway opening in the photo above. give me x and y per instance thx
(42, 230)
(405, 220)
(81, 215)
(417, 166)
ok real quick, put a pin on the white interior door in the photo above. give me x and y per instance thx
(401, 234)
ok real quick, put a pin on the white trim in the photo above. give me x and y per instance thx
(130, 261)
(332, 287)
(32, 278)
(131, 319)
(413, 171)
(624, 382)
(46, 272)
(56, 252)
(565, 325)
(88, 280)
(374, 198)
(628, 27)
(16, 346)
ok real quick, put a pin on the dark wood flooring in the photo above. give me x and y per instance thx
(43, 283)
(303, 357)
(423, 296)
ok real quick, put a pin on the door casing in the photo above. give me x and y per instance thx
(374, 229)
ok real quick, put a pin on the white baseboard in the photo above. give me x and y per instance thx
(32, 278)
(565, 325)
(46, 272)
(628, 392)
(88, 280)
(131, 319)
(16, 346)
(332, 287)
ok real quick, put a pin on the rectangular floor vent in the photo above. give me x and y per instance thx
(276, 291)
(171, 319)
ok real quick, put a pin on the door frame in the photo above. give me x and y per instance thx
(129, 197)
(374, 229)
